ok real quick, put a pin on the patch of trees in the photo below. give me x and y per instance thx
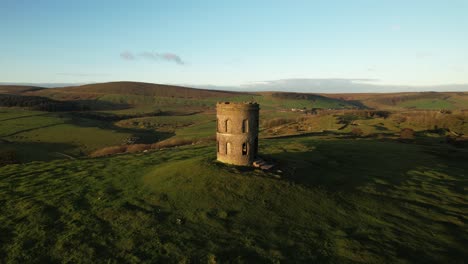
(168, 143)
(39, 103)
(341, 103)
(366, 114)
(397, 99)
(357, 132)
(269, 123)
(380, 114)
(456, 121)
(459, 142)
(298, 96)
(407, 133)
(113, 117)
(348, 119)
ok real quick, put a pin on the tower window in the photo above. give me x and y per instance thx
(228, 126)
(244, 149)
(228, 148)
(245, 126)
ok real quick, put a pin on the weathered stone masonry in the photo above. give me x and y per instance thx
(237, 132)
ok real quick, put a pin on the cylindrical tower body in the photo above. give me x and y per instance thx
(237, 132)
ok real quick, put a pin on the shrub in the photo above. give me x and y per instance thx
(109, 151)
(171, 142)
(348, 119)
(407, 133)
(400, 119)
(137, 147)
(458, 142)
(382, 114)
(357, 132)
(276, 122)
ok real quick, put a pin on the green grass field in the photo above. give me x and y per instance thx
(428, 104)
(43, 136)
(337, 201)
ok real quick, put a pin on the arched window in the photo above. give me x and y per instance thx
(228, 148)
(245, 149)
(228, 126)
(245, 126)
(217, 146)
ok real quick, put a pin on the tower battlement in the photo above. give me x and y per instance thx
(236, 105)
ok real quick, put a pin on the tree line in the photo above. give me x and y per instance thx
(39, 103)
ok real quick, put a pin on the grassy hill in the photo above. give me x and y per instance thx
(18, 89)
(38, 135)
(136, 93)
(132, 88)
(415, 100)
(336, 201)
(287, 100)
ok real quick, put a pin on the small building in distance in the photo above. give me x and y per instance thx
(237, 132)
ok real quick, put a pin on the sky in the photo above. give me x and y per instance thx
(235, 43)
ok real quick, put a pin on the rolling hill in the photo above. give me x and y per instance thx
(18, 89)
(131, 88)
(412, 100)
(137, 93)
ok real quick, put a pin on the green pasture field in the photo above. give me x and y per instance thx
(434, 104)
(166, 123)
(334, 201)
(146, 104)
(44, 136)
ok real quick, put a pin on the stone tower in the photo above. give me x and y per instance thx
(237, 132)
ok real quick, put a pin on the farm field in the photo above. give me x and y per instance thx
(44, 136)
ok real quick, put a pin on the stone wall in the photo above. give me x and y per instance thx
(237, 132)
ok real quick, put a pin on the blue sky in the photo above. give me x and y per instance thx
(232, 43)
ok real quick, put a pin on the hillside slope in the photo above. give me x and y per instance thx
(131, 88)
(137, 93)
(310, 100)
(410, 100)
(179, 205)
(18, 89)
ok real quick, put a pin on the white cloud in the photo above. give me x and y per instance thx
(154, 56)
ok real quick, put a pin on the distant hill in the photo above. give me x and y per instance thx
(318, 101)
(17, 89)
(90, 91)
(410, 100)
(138, 93)
(38, 103)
